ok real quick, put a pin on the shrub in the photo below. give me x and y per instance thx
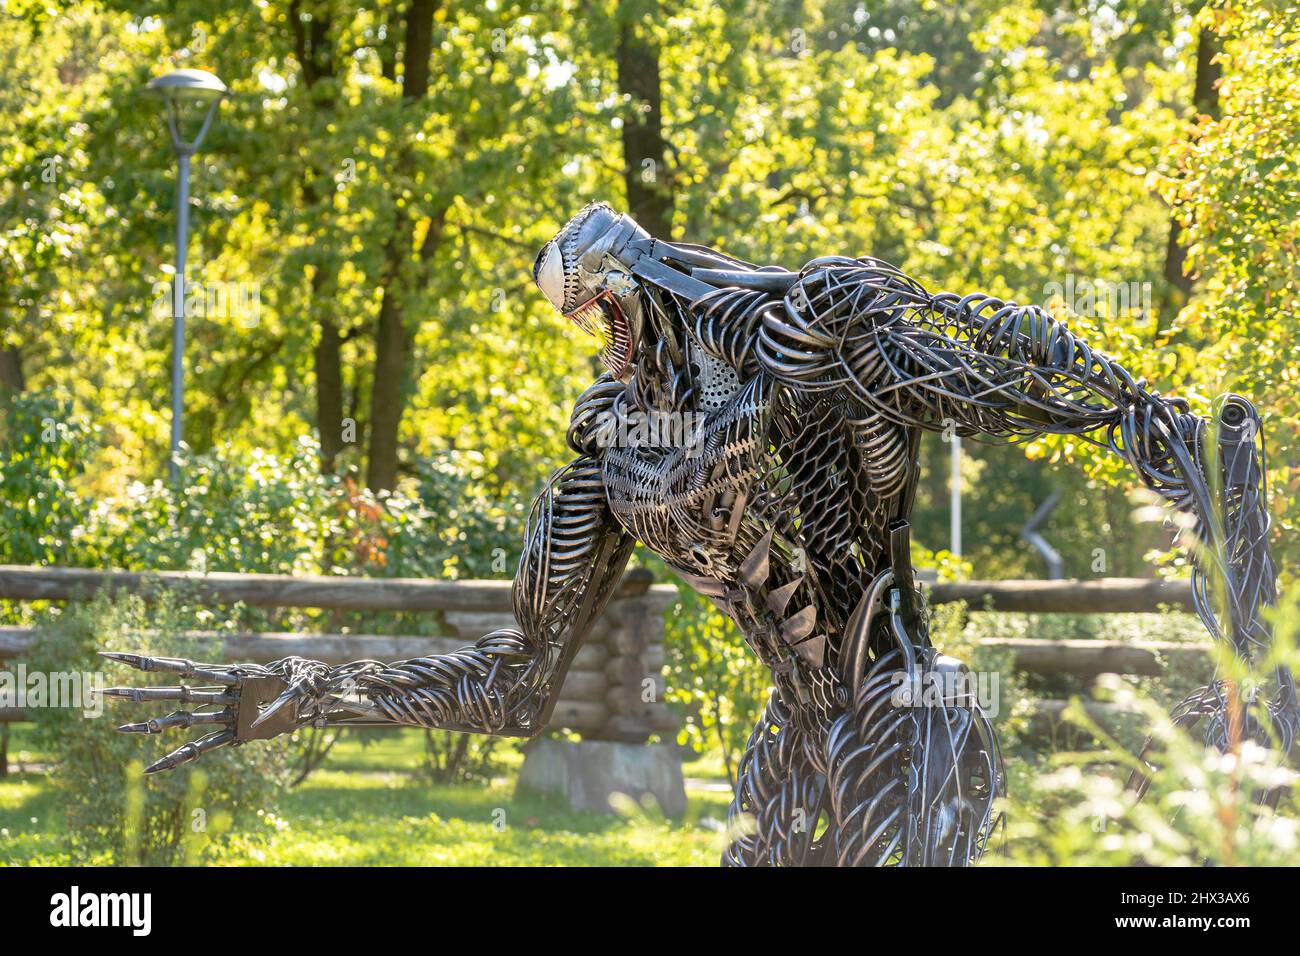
(716, 681)
(43, 451)
(114, 813)
(1202, 807)
(451, 757)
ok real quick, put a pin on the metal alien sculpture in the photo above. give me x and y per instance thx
(784, 499)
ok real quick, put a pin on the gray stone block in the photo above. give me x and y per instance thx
(588, 772)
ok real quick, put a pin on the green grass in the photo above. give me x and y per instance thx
(389, 818)
(369, 806)
(30, 828)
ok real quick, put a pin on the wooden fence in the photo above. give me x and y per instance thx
(24, 583)
(603, 695)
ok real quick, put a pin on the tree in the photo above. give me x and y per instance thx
(1234, 192)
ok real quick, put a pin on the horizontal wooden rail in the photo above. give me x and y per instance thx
(602, 693)
(1083, 658)
(624, 648)
(1088, 658)
(334, 592)
(586, 699)
(1097, 596)
(337, 592)
(593, 665)
(1043, 713)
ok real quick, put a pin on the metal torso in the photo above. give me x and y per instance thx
(703, 482)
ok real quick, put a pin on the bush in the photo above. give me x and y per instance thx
(451, 757)
(718, 684)
(254, 513)
(43, 451)
(1203, 806)
(114, 813)
(241, 510)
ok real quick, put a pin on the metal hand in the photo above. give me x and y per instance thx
(243, 690)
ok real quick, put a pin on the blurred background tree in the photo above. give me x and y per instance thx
(375, 387)
(368, 204)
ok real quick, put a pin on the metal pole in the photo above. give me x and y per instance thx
(954, 491)
(178, 304)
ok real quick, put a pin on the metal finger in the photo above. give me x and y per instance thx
(179, 718)
(184, 694)
(191, 751)
(175, 665)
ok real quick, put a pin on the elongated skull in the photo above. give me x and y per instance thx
(580, 271)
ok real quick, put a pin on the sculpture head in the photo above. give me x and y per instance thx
(580, 272)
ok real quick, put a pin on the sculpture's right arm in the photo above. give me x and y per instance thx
(505, 683)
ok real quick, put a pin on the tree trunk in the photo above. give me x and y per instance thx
(1208, 74)
(391, 336)
(329, 388)
(645, 169)
(315, 54)
(388, 51)
(386, 393)
(1205, 99)
(11, 371)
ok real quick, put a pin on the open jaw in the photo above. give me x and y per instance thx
(603, 319)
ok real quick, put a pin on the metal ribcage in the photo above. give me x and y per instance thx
(667, 496)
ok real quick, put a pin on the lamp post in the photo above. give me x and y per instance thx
(195, 89)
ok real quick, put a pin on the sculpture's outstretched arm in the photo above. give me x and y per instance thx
(993, 370)
(503, 684)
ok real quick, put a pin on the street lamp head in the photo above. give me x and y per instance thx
(187, 85)
(183, 90)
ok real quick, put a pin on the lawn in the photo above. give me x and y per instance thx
(369, 806)
(373, 803)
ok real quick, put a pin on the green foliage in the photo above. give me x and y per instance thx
(246, 510)
(462, 758)
(1234, 191)
(1202, 807)
(373, 806)
(255, 511)
(113, 812)
(997, 146)
(43, 451)
(959, 634)
(264, 513)
(715, 680)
